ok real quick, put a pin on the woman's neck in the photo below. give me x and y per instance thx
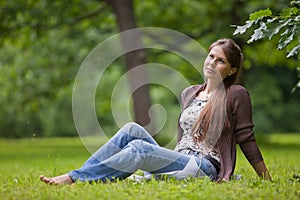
(210, 86)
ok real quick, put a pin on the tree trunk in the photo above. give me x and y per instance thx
(124, 12)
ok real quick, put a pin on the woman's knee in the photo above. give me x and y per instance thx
(130, 125)
(135, 130)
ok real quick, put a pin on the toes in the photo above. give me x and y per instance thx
(45, 179)
(42, 178)
(63, 179)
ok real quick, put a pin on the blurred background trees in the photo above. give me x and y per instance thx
(43, 43)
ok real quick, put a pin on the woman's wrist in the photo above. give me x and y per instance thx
(262, 170)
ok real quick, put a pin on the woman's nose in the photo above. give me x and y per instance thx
(213, 62)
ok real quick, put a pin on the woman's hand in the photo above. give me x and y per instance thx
(262, 170)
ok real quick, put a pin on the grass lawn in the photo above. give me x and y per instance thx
(23, 160)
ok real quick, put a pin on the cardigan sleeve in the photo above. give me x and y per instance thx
(243, 125)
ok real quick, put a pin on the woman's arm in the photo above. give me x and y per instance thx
(262, 170)
(242, 118)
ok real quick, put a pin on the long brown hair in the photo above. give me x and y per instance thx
(210, 123)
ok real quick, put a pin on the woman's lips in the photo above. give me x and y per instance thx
(209, 70)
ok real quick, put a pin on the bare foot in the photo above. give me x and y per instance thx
(58, 180)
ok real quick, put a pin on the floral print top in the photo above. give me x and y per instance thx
(186, 121)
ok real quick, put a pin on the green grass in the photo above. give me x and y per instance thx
(23, 160)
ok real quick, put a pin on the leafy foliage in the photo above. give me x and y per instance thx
(286, 24)
(43, 43)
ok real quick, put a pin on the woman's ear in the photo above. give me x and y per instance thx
(233, 70)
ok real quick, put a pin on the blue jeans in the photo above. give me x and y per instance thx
(131, 149)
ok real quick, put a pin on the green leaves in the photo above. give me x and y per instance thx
(243, 29)
(260, 14)
(43, 42)
(259, 33)
(286, 25)
(254, 18)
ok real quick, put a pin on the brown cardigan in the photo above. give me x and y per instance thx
(240, 132)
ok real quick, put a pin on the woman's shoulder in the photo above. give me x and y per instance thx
(238, 90)
(192, 88)
(189, 92)
(238, 95)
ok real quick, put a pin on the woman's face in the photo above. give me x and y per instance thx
(216, 65)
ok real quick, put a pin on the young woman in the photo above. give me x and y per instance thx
(215, 117)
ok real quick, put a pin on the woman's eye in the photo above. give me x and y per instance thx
(219, 60)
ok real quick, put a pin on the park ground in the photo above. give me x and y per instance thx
(23, 160)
